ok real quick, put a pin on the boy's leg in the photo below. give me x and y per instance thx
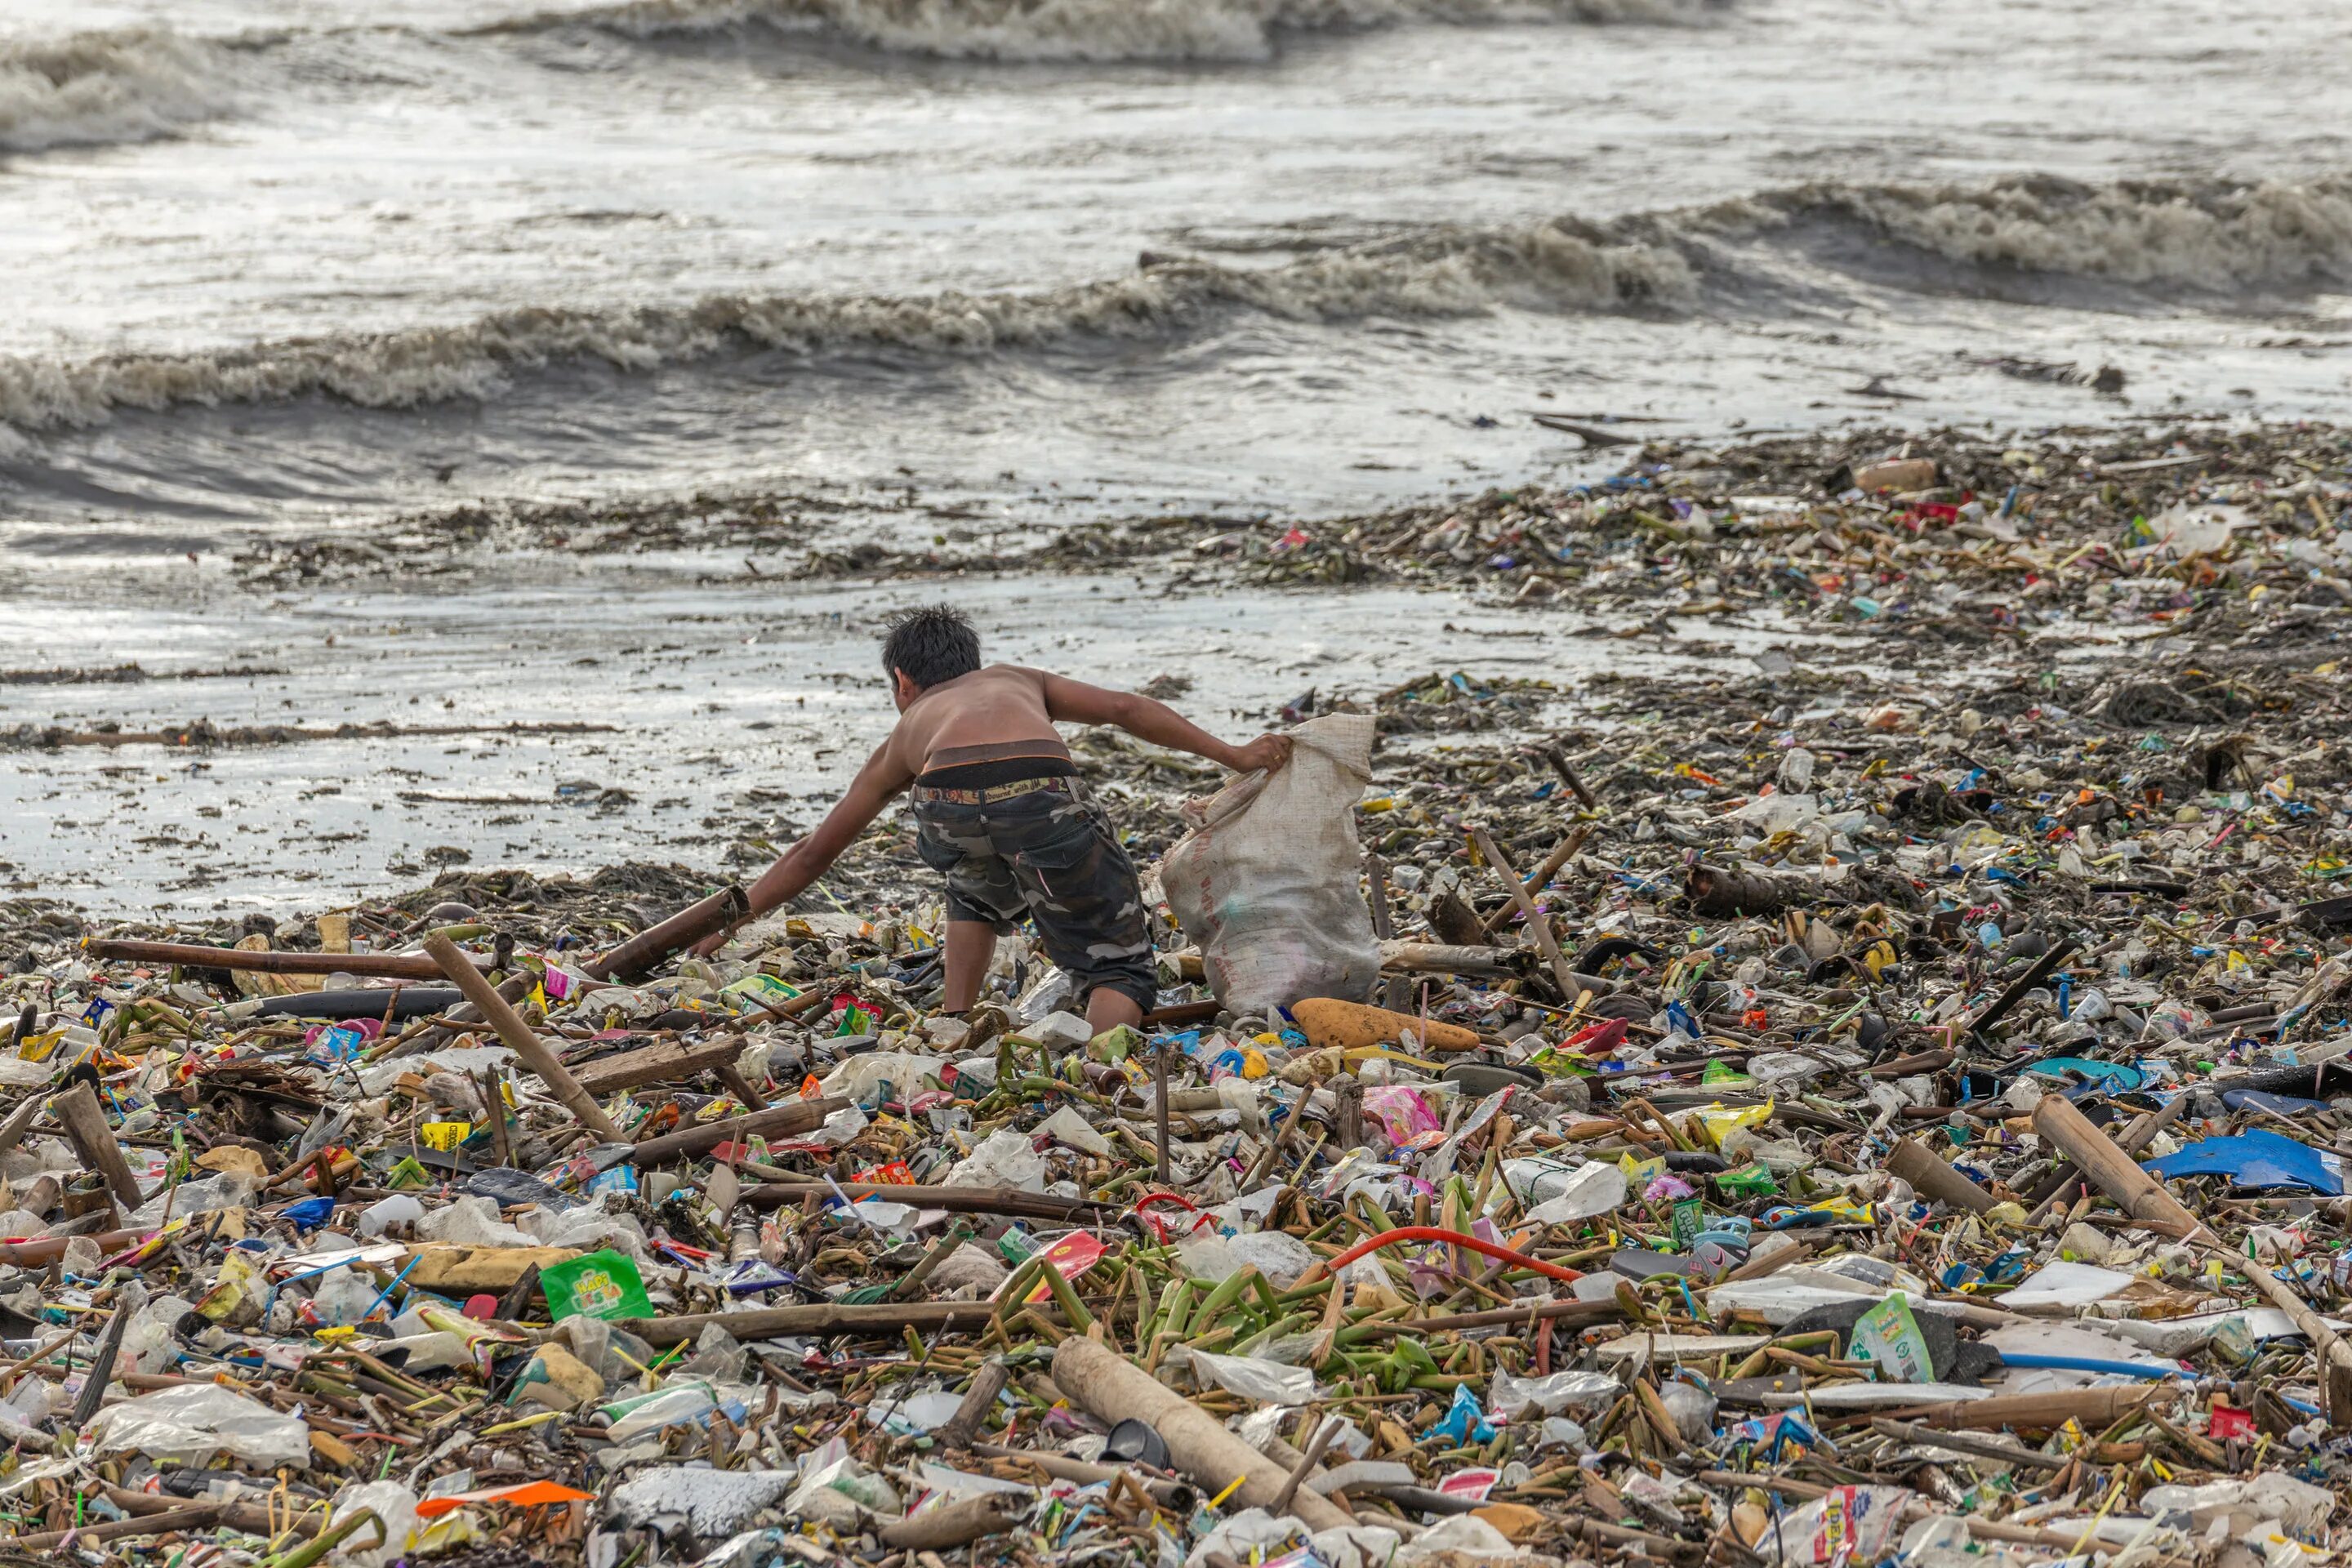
(982, 897)
(1108, 1009)
(1084, 895)
(971, 944)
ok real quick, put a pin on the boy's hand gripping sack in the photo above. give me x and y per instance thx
(1266, 880)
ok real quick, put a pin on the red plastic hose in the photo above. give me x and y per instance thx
(1434, 1233)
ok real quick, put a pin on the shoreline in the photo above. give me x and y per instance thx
(1689, 552)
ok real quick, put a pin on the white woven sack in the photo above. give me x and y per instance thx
(1265, 882)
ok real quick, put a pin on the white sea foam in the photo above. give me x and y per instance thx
(1444, 273)
(1094, 30)
(95, 89)
(2198, 235)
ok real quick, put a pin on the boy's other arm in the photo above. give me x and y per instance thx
(1076, 702)
(810, 857)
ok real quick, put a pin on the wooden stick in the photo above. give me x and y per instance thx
(1579, 1312)
(947, 1525)
(1538, 923)
(1974, 1447)
(93, 1140)
(247, 1517)
(1348, 1111)
(1557, 758)
(2039, 971)
(1394, 991)
(1933, 1178)
(20, 1121)
(1324, 1432)
(1161, 1489)
(747, 1093)
(783, 1121)
(1561, 854)
(911, 1282)
(2134, 1137)
(1160, 1108)
(494, 1107)
(101, 1370)
(668, 1061)
(178, 1518)
(979, 1399)
(2038, 1412)
(378, 965)
(1009, 1200)
(1445, 958)
(884, 1319)
(1920, 1507)
(48, 1249)
(641, 954)
(518, 1036)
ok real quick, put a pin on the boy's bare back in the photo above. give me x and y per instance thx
(997, 712)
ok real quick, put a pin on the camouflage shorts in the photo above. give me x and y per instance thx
(1048, 856)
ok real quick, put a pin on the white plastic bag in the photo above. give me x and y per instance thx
(1561, 1193)
(1515, 1396)
(190, 1423)
(1003, 1159)
(1254, 1377)
(1265, 882)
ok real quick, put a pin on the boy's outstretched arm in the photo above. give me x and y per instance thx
(812, 855)
(1076, 702)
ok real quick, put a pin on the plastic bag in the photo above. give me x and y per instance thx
(1253, 1377)
(1515, 1396)
(1281, 1256)
(1265, 882)
(1560, 1193)
(190, 1423)
(394, 1505)
(470, 1222)
(1004, 1159)
(1851, 1524)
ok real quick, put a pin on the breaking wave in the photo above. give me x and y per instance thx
(1090, 30)
(99, 89)
(2160, 237)
(2151, 233)
(1445, 273)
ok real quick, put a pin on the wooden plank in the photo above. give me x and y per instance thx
(664, 1061)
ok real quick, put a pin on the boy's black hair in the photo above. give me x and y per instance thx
(930, 644)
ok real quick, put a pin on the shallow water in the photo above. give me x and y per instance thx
(739, 713)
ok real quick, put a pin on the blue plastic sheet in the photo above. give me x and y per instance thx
(2112, 1077)
(2257, 1159)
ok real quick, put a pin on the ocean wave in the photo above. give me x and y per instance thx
(100, 88)
(1094, 31)
(2161, 238)
(2202, 235)
(1447, 272)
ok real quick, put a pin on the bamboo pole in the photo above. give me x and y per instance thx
(518, 1035)
(881, 1318)
(1112, 1388)
(374, 965)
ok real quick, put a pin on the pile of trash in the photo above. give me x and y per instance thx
(1884, 1105)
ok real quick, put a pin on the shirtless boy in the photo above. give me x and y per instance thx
(1000, 811)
